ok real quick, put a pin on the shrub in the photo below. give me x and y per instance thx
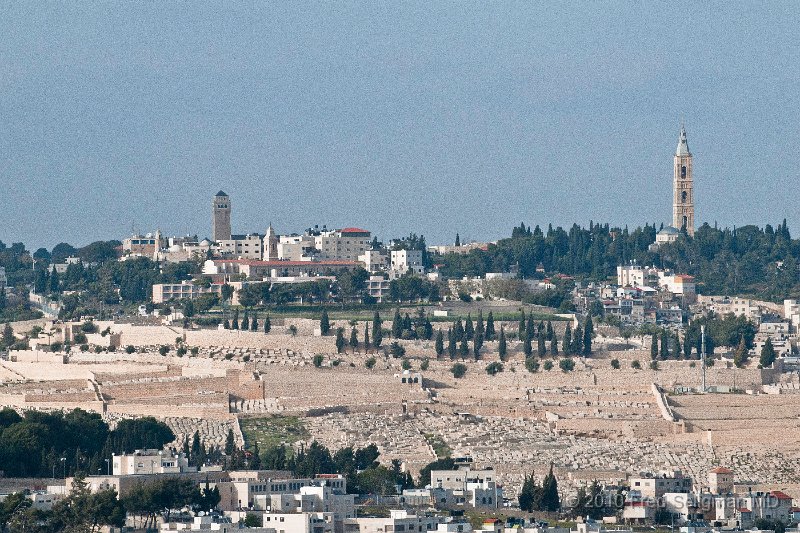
(532, 364)
(181, 351)
(458, 370)
(195, 350)
(88, 327)
(369, 363)
(129, 349)
(80, 338)
(228, 356)
(566, 365)
(494, 367)
(397, 350)
(336, 362)
(548, 365)
(84, 347)
(424, 364)
(692, 364)
(164, 350)
(318, 359)
(98, 349)
(112, 348)
(406, 364)
(635, 364)
(56, 346)
(653, 365)
(615, 364)
(293, 330)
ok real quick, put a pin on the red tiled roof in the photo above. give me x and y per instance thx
(743, 510)
(780, 495)
(354, 230)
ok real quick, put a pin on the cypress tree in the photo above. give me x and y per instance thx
(550, 501)
(530, 328)
(324, 323)
(366, 336)
(230, 443)
(527, 347)
(439, 343)
(554, 345)
(377, 331)
(490, 332)
(588, 329)
(522, 326)
(577, 341)
(245, 322)
(767, 354)
(469, 330)
(687, 347)
(254, 323)
(353, 338)
(654, 347)
(267, 324)
(236, 319)
(501, 344)
(463, 348)
(458, 331)
(676, 349)
(397, 324)
(479, 327)
(740, 356)
(549, 330)
(664, 352)
(339, 340)
(568, 339)
(451, 344)
(541, 348)
(477, 343)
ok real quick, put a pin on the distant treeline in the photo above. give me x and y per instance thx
(744, 261)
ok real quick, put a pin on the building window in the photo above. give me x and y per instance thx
(683, 171)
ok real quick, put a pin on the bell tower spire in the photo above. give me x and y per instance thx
(683, 186)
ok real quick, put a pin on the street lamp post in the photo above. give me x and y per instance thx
(108, 467)
(64, 463)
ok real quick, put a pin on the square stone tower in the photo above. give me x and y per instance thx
(683, 187)
(221, 217)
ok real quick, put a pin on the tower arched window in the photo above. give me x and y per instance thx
(683, 171)
(684, 195)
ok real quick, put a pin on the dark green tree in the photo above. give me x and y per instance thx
(439, 344)
(340, 342)
(767, 354)
(377, 332)
(490, 331)
(501, 345)
(324, 323)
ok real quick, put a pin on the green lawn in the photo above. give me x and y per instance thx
(273, 430)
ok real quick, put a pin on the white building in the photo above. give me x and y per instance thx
(398, 520)
(150, 462)
(248, 246)
(374, 260)
(469, 487)
(406, 261)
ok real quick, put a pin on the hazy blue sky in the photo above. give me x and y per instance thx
(433, 117)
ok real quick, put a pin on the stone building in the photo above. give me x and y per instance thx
(683, 187)
(221, 217)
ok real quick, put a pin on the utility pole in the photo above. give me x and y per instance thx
(703, 354)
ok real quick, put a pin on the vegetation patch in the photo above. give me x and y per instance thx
(272, 431)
